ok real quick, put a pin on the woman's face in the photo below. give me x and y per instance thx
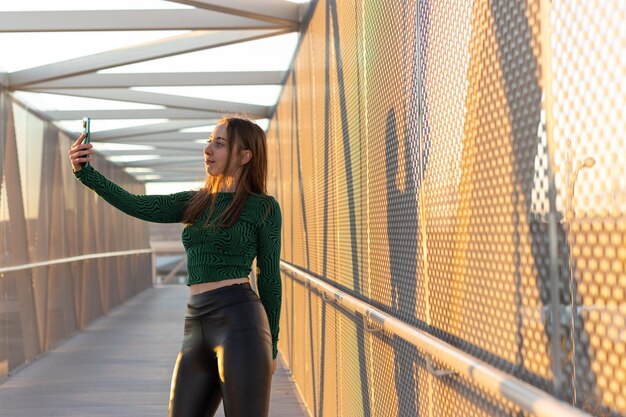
(216, 152)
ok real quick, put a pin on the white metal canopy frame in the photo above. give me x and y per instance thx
(183, 117)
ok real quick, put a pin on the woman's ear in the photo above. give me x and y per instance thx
(245, 157)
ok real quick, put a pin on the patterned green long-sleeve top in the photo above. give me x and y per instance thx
(213, 254)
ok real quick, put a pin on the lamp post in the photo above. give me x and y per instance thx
(587, 163)
(570, 216)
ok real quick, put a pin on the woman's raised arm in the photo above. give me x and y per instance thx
(167, 208)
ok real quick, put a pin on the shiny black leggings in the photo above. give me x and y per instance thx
(226, 354)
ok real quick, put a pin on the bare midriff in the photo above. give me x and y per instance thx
(208, 286)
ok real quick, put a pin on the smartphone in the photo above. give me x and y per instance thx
(86, 130)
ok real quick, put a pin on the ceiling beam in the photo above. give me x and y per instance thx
(274, 11)
(173, 178)
(133, 114)
(110, 20)
(197, 172)
(164, 79)
(191, 147)
(185, 169)
(189, 42)
(170, 137)
(147, 129)
(194, 148)
(168, 162)
(163, 153)
(178, 146)
(167, 100)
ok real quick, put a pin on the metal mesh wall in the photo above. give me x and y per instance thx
(427, 156)
(46, 214)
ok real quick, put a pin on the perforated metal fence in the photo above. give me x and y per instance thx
(49, 222)
(459, 166)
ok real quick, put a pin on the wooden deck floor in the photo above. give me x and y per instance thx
(121, 365)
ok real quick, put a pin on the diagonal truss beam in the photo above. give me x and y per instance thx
(194, 168)
(133, 114)
(164, 79)
(196, 148)
(105, 20)
(169, 162)
(149, 129)
(274, 11)
(167, 100)
(149, 139)
(190, 42)
(162, 153)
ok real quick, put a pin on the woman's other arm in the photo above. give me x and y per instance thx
(268, 264)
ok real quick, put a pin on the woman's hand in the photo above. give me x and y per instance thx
(80, 153)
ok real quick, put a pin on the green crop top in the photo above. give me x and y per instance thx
(213, 254)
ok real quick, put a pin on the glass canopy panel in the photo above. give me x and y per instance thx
(20, 51)
(244, 56)
(262, 95)
(34, 5)
(48, 102)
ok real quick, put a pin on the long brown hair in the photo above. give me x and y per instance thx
(247, 135)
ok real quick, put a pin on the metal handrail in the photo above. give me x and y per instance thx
(487, 377)
(73, 259)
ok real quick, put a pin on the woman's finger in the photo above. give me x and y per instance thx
(81, 153)
(80, 139)
(77, 161)
(79, 148)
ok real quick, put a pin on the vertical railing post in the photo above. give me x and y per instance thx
(553, 215)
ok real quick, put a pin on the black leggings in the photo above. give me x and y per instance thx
(226, 353)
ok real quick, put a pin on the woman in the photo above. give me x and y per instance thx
(230, 334)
